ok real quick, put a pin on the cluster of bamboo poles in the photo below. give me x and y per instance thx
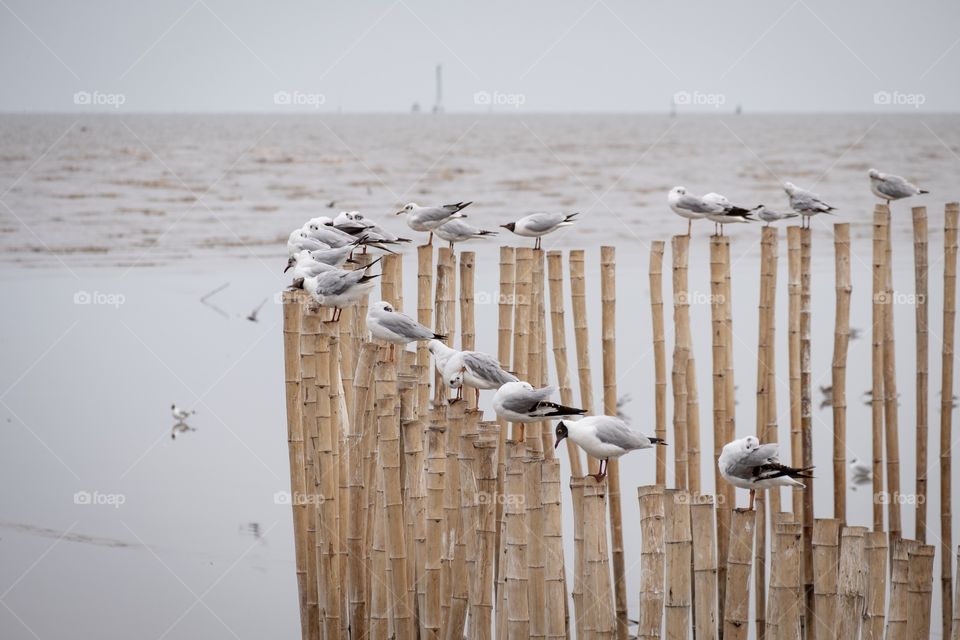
(416, 518)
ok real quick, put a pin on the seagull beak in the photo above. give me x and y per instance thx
(505, 226)
(557, 443)
(288, 268)
(399, 213)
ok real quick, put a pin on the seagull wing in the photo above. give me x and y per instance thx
(486, 367)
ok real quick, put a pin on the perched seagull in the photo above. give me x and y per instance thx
(806, 203)
(305, 266)
(686, 205)
(460, 231)
(336, 257)
(520, 402)
(728, 214)
(338, 288)
(351, 222)
(747, 464)
(473, 369)
(887, 186)
(180, 414)
(769, 216)
(429, 218)
(300, 241)
(321, 228)
(389, 325)
(604, 437)
(537, 225)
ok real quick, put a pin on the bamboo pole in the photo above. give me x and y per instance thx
(956, 606)
(702, 518)
(876, 404)
(443, 324)
(921, 265)
(559, 335)
(436, 469)
(310, 328)
(681, 352)
(718, 318)
(890, 400)
(425, 317)
(793, 352)
(536, 553)
(379, 589)
(678, 548)
(481, 607)
(659, 356)
(338, 417)
(841, 342)
(651, 560)
(521, 324)
(951, 215)
(451, 581)
(850, 583)
(899, 590)
(786, 595)
(414, 494)
(826, 559)
(506, 295)
(328, 512)
(543, 436)
(581, 333)
(582, 606)
(806, 425)
(556, 588)
(517, 609)
(736, 621)
(598, 593)
(875, 550)
(920, 590)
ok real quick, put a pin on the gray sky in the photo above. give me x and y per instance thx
(538, 55)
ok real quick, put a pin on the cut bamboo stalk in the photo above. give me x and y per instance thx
(736, 621)
(608, 298)
(521, 324)
(956, 605)
(920, 266)
(876, 403)
(379, 566)
(515, 557)
(580, 578)
(436, 469)
(556, 589)
(806, 426)
(541, 441)
(536, 560)
(327, 481)
(785, 603)
(507, 293)
(598, 593)
(692, 420)
(899, 590)
(659, 356)
(793, 352)
(679, 556)
(414, 495)
(920, 590)
(581, 333)
(720, 352)
(875, 550)
(481, 607)
(310, 328)
(841, 342)
(467, 313)
(392, 265)
(826, 559)
(462, 500)
(681, 353)
(702, 519)
(769, 283)
(338, 410)
(890, 400)
(425, 317)
(651, 561)
(451, 582)
(850, 583)
(951, 215)
(443, 324)
(559, 336)
(469, 507)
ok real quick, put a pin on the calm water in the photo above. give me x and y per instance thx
(143, 216)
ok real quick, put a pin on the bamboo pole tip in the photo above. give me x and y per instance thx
(649, 489)
(952, 207)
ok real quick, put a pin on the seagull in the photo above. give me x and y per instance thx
(474, 369)
(604, 437)
(860, 471)
(429, 218)
(537, 225)
(389, 325)
(806, 203)
(180, 427)
(300, 241)
(768, 216)
(520, 402)
(887, 186)
(728, 214)
(338, 288)
(253, 314)
(827, 392)
(305, 266)
(460, 231)
(747, 464)
(351, 222)
(686, 205)
(180, 414)
(336, 257)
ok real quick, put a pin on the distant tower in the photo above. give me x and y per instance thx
(438, 104)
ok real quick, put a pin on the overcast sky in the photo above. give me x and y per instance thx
(543, 55)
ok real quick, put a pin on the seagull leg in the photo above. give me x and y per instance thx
(430, 239)
(753, 495)
(689, 226)
(478, 397)
(601, 472)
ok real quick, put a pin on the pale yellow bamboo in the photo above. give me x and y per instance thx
(521, 324)
(556, 589)
(785, 604)
(444, 321)
(468, 331)
(899, 590)
(651, 561)
(536, 553)
(679, 556)
(559, 335)
(793, 352)
(598, 593)
(826, 559)
(806, 424)
(582, 606)
(541, 439)
(507, 293)
(379, 566)
(720, 353)
(425, 317)
(659, 356)
(920, 266)
(391, 269)
(875, 550)
(890, 400)
(328, 511)
(876, 403)
(951, 215)
(702, 519)
(515, 557)
(310, 328)
(581, 333)
(841, 342)
(920, 590)
(681, 353)
(736, 622)
(452, 584)
(481, 608)
(414, 494)
(850, 583)
(436, 469)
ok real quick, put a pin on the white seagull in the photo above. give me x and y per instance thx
(604, 437)
(180, 414)
(887, 186)
(429, 218)
(537, 225)
(747, 464)
(387, 324)
(321, 228)
(768, 215)
(351, 222)
(686, 205)
(300, 241)
(474, 369)
(730, 213)
(460, 231)
(337, 288)
(520, 402)
(806, 203)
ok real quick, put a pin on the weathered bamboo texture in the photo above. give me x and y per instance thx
(608, 300)
(444, 323)
(536, 553)
(414, 489)
(308, 367)
(582, 606)
(328, 511)
(951, 216)
(469, 515)
(521, 325)
(899, 590)
(481, 608)
(659, 357)
(452, 582)
(826, 558)
(559, 335)
(850, 583)
(719, 264)
(581, 334)
(841, 342)
(890, 400)
(956, 606)
(920, 267)
(541, 440)
(436, 470)
(515, 543)
(736, 622)
(876, 402)
(556, 588)
(874, 610)
(920, 589)
(425, 317)
(681, 353)
(598, 593)
(679, 555)
(652, 553)
(702, 519)
(507, 293)
(468, 331)
(806, 425)
(793, 352)
(785, 602)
